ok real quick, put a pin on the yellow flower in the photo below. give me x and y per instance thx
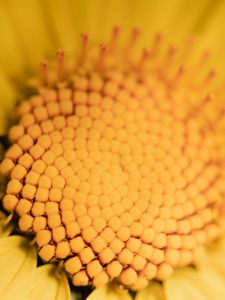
(115, 163)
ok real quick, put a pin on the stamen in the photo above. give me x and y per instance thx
(210, 77)
(100, 63)
(44, 71)
(171, 53)
(60, 60)
(174, 78)
(168, 61)
(135, 34)
(114, 38)
(219, 119)
(189, 47)
(179, 75)
(206, 55)
(202, 62)
(200, 107)
(157, 42)
(146, 54)
(84, 48)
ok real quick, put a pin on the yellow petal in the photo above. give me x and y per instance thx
(17, 265)
(212, 283)
(63, 23)
(27, 19)
(214, 258)
(185, 284)
(7, 100)
(63, 292)
(109, 292)
(153, 291)
(8, 97)
(11, 57)
(213, 30)
(49, 284)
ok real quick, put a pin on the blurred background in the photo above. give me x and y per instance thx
(31, 29)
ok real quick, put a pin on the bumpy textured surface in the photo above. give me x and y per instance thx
(117, 175)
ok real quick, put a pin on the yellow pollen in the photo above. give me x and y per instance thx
(116, 166)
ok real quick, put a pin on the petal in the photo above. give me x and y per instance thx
(49, 284)
(17, 265)
(63, 292)
(211, 32)
(212, 283)
(7, 100)
(63, 20)
(153, 291)
(185, 284)
(109, 292)
(11, 58)
(26, 20)
(212, 270)
(214, 258)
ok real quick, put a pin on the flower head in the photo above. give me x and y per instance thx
(115, 161)
(115, 164)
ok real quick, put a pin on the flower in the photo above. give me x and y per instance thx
(115, 163)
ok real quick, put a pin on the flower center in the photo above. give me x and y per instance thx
(116, 169)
